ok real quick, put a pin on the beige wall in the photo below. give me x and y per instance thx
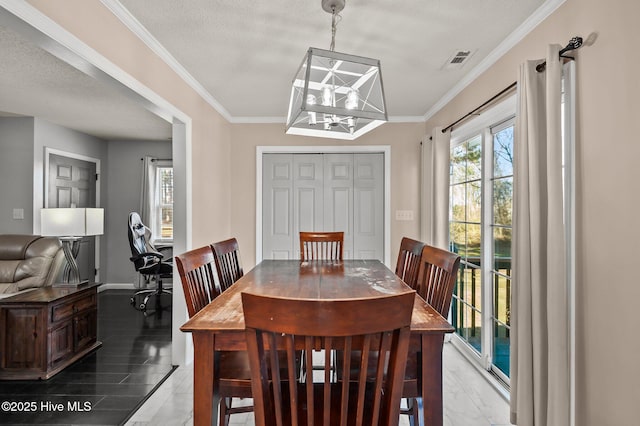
(404, 139)
(608, 370)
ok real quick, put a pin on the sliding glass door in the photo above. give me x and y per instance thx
(481, 195)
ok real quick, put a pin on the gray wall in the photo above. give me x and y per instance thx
(23, 143)
(16, 178)
(69, 142)
(123, 197)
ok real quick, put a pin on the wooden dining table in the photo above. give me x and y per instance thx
(220, 325)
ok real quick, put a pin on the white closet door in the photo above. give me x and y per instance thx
(308, 191)
(368, 206)
(277, 207)
(323, 192)
(338, 198)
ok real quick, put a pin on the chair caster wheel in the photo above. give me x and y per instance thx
(143, 306)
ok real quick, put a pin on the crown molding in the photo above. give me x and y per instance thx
(507, 44)
(152, 43)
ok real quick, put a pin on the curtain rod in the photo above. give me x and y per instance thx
(573, 44)
(502, 92)
(159, 159)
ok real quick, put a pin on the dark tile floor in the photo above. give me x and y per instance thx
(107, 386)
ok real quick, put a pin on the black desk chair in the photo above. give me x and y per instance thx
(147, 260)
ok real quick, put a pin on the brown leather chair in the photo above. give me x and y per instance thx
(28, 261)
(352, 326)
(321, 245)
(196, 269)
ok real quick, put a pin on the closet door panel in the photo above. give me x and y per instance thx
(277, 207)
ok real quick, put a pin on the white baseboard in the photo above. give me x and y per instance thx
(115, 286)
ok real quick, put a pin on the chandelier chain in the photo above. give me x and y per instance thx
(335, 20)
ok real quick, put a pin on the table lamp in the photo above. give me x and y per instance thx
(70, 225)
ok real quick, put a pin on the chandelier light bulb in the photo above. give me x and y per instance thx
(352, 99)
(328, 95)
(311, 100)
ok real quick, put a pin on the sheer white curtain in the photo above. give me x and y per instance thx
(540, 319)
(148, 191)
(435, 181)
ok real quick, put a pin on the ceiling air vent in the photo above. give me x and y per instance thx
(458, 59)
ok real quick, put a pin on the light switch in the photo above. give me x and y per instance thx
(404, 214)
(18, 213)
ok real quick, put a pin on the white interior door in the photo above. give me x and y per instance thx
(72, 183)
(323, 192)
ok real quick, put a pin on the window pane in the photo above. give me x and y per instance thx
(457, 203)
(167, 223)
(473, 241)
(474, 158)
(502, 250)
(502, 201)
(164, 209)
(458, 163)
(501, 348)
(502, 322)
(473, 287)
(503, 152)
(457, 238)
(474, 202)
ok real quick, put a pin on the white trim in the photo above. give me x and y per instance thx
(49, 151)
(501, 111)
(507, 44)
(116, 286)
(384, 149)
(258, 120)
(407, 119)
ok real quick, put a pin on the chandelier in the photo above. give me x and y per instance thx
(336, 95)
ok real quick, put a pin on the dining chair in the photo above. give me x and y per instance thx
(435, 281)
(408, 264)
(349, 325)
(228, 264)
(321, 245)
(196, 269)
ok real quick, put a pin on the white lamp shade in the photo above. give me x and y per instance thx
(94, 221)
(76, 222)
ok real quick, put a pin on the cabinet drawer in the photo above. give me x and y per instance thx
(66, 310)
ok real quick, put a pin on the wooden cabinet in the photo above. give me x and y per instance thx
(45, 330)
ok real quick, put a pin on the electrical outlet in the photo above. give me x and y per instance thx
(18, 214)
(404, 214)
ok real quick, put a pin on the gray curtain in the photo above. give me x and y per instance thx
(435, 181)
(540, 314)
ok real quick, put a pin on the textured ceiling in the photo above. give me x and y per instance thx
(35, 83)
(245, 53)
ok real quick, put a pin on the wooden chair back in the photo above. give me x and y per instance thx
(321, 245)
(408, 264)
(196, 269)
(228, 263)
(437, 276)
(354, 326)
